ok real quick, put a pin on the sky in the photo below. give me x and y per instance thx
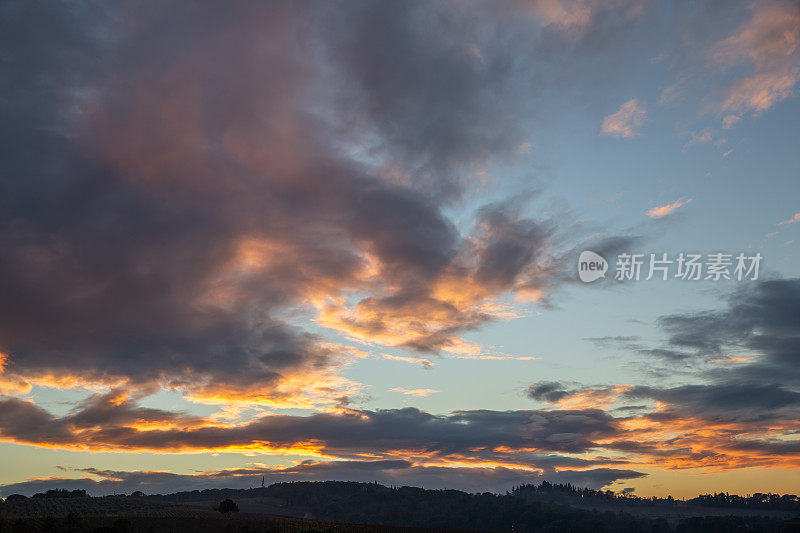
(341, 240)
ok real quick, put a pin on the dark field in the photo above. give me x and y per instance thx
(194, 524)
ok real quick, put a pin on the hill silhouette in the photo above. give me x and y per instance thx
(352, 506)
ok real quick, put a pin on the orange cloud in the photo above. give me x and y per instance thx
(729, 121)
(626, 122)
(769, 41)
(794, 218)
(592, 398)
(664, 210)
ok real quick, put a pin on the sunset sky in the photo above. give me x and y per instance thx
(339, 240)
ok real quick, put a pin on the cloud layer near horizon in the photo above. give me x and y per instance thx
(389, 472)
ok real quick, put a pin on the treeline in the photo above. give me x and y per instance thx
(53, 493)
(416, 507)
(121, 505)
(533, 508)
(759, 500)
(571, 495)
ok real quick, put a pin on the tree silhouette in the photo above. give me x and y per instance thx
(227, 507)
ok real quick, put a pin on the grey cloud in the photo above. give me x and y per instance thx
(109, 421)
(135, 181)
(550, 391)
(181, 176)
(761, 320)
(743, 401)
(434, 84)
(385, 472)
(512, 244)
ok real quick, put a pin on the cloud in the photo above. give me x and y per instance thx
(550, 391)
(727, 416)
(166, 222)
(729, 121)
(580, 398)
(760, 318)
(626, 122)
(664, 210)
(704, 136)
(501, 255)
(738, 60)
(748, 408)
(465, 448)
(581, 18)
(525, 148)
(502, 437)
(739, 429)
(388, 472)
(414, 392)
(794, 218)
(770, 42)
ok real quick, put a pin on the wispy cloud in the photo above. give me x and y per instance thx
(769, 41)
(626, 122)
(730, 121)
(701, 137)
(414, 392)
(664, 210)
(792, 220)
(426, 363)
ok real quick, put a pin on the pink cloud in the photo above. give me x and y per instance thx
(664, 210)
(770, 41)
(576, 17)
(704, 136)
(795, 218)
(626, 122)
(729, 121)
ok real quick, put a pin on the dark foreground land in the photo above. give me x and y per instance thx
(362, 507)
